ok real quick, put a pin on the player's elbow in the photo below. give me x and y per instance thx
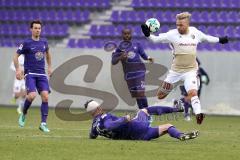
(91, 136)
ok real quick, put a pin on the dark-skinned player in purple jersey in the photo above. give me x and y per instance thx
(133, 67)
(35, 50)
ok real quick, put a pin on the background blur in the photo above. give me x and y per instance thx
(81, 27)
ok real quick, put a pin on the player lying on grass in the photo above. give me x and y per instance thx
(138, 128)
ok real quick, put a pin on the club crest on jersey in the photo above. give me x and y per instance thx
(20, 47)
(131, 55)
(39, 56)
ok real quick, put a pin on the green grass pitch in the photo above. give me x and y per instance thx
(219, 139)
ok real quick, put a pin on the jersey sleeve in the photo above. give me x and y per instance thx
(162, 37)
(93, 133)
(206, 38)
(142, 52)
(111, 124)
(21, 49)
(47, 47)
(115, 56)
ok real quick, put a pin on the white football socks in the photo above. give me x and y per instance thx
(196, 105)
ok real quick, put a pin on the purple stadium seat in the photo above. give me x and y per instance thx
(213, 17)
(167, 17)
(114, 16)
(149, 14)
(71, 43)
(140, 16)
(204, 17)
(222, 16)
(220, 31)
(195, 16)
(93, 30)
(230, 31)
(80, 43)
(233, 17)
(119, 30)
(211, 30)
(237, 33)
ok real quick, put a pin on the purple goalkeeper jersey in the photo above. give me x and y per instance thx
(133, 67)
(34, 53)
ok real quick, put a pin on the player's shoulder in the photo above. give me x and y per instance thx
(193, 29)
(137, 44)
(172, 31)
(27, 40)
(43, 40)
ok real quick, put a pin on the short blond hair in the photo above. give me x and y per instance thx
(183, 15)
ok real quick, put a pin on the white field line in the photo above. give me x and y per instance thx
(17, 127)
(43, 136)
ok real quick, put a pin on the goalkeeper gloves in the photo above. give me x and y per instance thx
(223, 40)
(145, 30)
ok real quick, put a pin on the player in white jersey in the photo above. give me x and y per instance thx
(19, 89)
(183, 41)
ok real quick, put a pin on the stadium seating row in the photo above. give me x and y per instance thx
(169, 16)
(98, 4)
(206, 4)
(59, 15)
(54, 30)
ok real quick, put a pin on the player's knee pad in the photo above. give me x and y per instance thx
(164, 90)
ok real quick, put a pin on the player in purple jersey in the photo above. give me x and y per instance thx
(138, 128)
(133, 67)
(35, 50)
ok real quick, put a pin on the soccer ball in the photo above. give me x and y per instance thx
(153, 24)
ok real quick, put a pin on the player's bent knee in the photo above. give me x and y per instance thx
(163, 128)
(31, 96)
(45, 98)
(192, 93)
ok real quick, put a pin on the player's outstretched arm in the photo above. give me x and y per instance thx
(162, 37)
(212, 39)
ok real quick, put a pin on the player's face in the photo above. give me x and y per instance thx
(36, 30)
(182, 26)
(127, 35)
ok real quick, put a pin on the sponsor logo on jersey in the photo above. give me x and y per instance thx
(20, 47)
(131, 55)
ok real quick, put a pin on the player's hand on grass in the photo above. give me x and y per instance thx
(145, 30)
(223, 40)
(150, 59)
(199, 118)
